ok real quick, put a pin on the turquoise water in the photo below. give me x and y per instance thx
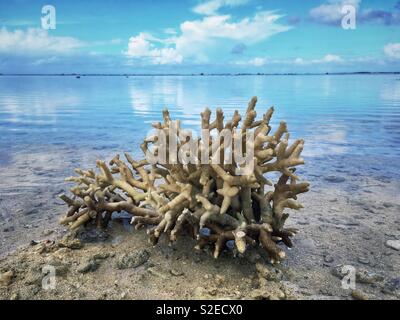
(351, 123)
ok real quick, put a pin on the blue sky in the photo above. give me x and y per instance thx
(164, 36)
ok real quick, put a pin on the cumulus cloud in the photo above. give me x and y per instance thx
(35, 41)
(211, 7)
(387, 17)
(197, 38)
(392, 50)
(261, 26)
(200, 36)
(142, 47)
(380, 16)
(330, 12)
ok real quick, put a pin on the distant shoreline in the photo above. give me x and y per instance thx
(194, 74)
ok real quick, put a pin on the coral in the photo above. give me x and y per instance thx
(217, 200)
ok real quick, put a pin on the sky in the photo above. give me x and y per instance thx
(195, 36)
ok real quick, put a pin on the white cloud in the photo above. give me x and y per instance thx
(261, 61)
(198, 38)
(255, 62)
(35, 41)
(139, 46)
(392, 50)
(330, 12)
(329, 58)
(258, 62)
(111, 42)
(18, 23)
(261, 26)
(299, 61)
(170, 31)
(142, 47)
(332, 58)
(211, 7)
(45, 61)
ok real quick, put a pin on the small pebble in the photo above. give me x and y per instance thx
(6, 278)
(387, 204)
(328, 259)
(359, 295)
(363, 260)
(176, 272)
(89, 266)
(334, 179)
(219, 279)
(393, 244)
(391, 286)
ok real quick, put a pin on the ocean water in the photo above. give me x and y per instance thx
(351, 123)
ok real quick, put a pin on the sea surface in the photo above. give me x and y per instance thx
(351, 123)
(50, 125)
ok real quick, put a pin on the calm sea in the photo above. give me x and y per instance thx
(351, 123)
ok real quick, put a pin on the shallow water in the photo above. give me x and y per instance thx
(351, 123)
(51, 125)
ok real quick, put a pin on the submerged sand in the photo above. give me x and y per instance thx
(350, 214)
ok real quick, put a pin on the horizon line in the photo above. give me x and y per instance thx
(199, 74)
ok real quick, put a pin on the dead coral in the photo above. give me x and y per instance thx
(208, 200)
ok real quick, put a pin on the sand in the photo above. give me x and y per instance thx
(349, 215)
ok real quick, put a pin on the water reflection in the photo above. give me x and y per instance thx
(391, 93)
(336, 115)
(331, 140)
(37, 110)
(150, 94)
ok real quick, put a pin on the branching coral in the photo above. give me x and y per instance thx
(212, 197)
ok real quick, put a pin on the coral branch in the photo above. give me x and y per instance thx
(207, 197)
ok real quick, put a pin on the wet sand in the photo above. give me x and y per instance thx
(349, 215)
